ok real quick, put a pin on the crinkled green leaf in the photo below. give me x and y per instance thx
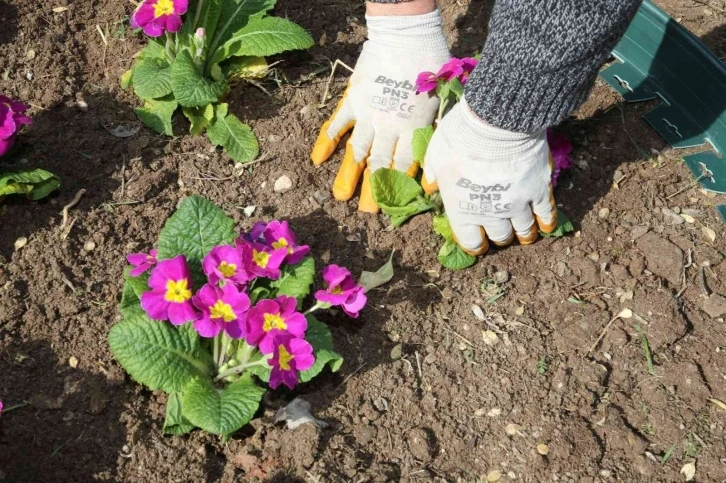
(196, 227)
(199, 117)
(295, 280)
(235, 15)
(453, 257)
(191, 88)
(420, 142)
(33, 182)
(157, 114)
(175, 422)
(398, 195)
(158, 354)
(442, 227)
(318, 335)
(262, 37)
(154, 50)
(152, 78)
(222, 411)
(131, 295)
(237, 138)
(125, 80)
(564, 226)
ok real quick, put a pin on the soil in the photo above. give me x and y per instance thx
(443, 407)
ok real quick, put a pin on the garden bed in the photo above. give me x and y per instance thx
(422, 395)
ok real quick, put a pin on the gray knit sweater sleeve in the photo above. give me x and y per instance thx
(541, 58)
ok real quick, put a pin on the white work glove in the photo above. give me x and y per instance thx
(382, 104)
(494, 183)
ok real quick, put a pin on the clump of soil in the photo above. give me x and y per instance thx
(463, 395)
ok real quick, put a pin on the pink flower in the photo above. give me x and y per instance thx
(171, 292)
(279, 235)
(158, 16)
(12, 116)
(141, 262)
(222, 309)
(457, 69)
(560, 148)
(468, 64)
(224, 263)
(270, 318)
(426, 82)
(259, 260)
(256, 232)
(1, 407)
(342, 290)
(291, 355)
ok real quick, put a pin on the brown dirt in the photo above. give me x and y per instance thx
(441, 411)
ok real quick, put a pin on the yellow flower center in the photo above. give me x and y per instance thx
(274, 321)
(285, 358)
(261, 259)
(281, 243)
(177, 291)
(227, 269)
(220, 310)
(336, 290)
(163, 7)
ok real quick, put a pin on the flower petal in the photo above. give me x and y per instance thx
(206, 327)
(181, 313)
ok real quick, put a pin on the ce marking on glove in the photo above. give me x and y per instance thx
(484, 206)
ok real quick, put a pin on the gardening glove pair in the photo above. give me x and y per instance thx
(494, 183)
(381, 105)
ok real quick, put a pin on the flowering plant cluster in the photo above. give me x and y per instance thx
(31, 182)
(197, 49)
(402, 197)
(207, 310)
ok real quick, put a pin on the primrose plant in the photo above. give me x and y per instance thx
(402, 197)
(196, 51)
(31, 182)
(207, 316)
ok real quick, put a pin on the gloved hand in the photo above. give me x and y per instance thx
(382, 104)
(494, 183)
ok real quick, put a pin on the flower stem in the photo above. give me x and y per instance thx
(197, 15)
(170, 47)
(12, 408)
(442, 107)
(216, 345)
(241, 368)
(224, 343)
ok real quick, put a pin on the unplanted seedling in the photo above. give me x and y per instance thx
(492, 289)
(646, 349)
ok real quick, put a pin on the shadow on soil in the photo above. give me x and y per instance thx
(9, 21)
(45, 440)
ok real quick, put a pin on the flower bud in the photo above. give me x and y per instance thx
(200, 39)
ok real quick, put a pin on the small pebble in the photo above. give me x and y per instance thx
(603, 213)
(20, 243)
(283, 184)
(89, 246)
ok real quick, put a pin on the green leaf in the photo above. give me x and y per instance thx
(190, 87)
(262, 37)
(222, 411)
(208, 19)
(196, 227)
(199, 117)
(295, 280)
(453, 257)
(259, 293)
(126, 79)
(157, 354)
(157, 114)
(245, 68)
(318, 335)
(33, 182)
(152, 78)
(131, 295)
(442, 227)
(154, 50)
(263, 371)
(235, 15)
(237, 139)
(383, 275)
(420, 142)
(457, 88)
(564, 226)
(398, 195)
(175, 422)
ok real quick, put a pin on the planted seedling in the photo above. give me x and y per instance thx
(197, 50)
(402, 197)
(209, 316)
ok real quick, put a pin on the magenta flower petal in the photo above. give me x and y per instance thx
(342, 290)
(171, 292)
(141, 262)
(173, 23)
(181, 313)
(155, 305)
(158, 16)
(206, 327)
(270, 319)
(426, 82)
(260, 260)
(224, 263)
(12, 116)
(222, 308)
(290, 356)
(279, 235)
(5, 145)
(560, 148)
(303, 352)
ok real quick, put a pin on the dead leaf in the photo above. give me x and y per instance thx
(20, 243)
(710, 234)
(625, 314)
(297, 413)
(478, 312)
(60, 9)
(689, 471)
(494, 476)
(543, 449)
(495, 412)
(323, 39)
(519, 311)
(490, 338)
(512, 429)
(383, 275)
(253, 466)
(718, 403)
(688, 218)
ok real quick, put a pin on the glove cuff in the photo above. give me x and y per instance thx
(420, 33)
(477, 135)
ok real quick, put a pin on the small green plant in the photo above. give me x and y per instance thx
(191, 63)
(646, 349)
(542, 365)
(692, 446)
(492, 289)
